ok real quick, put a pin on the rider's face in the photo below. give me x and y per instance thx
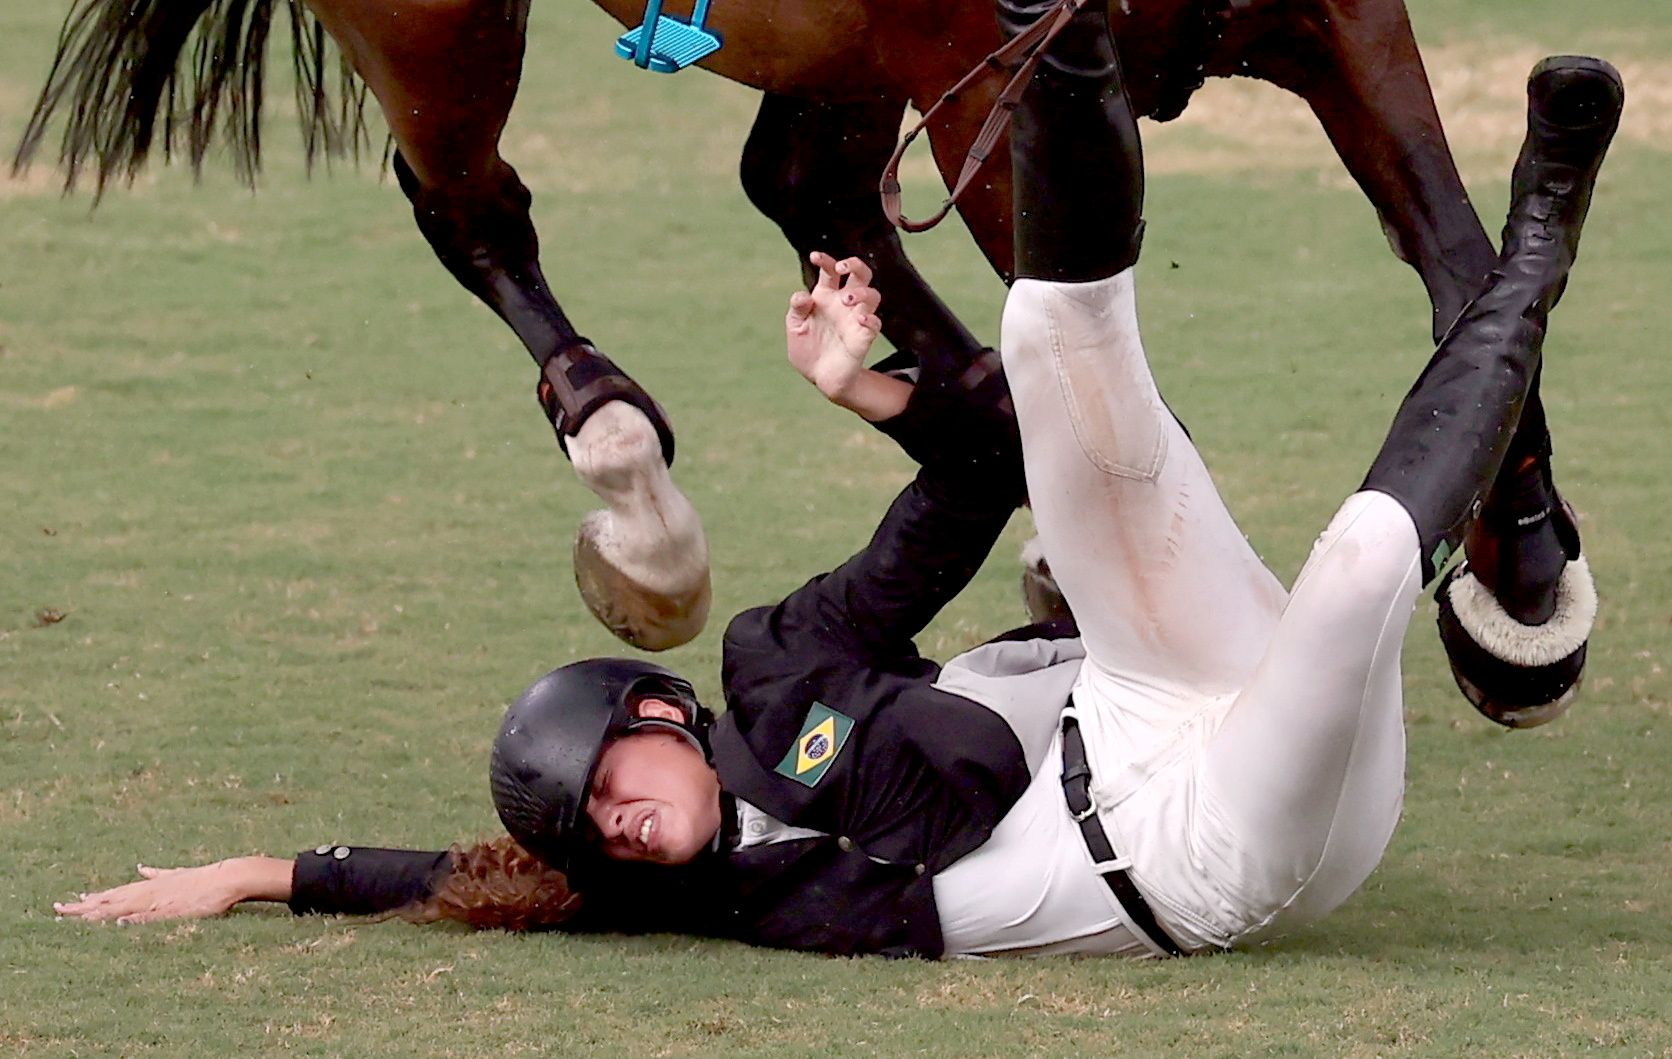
(654, 797)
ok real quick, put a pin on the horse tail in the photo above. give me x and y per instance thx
(130, 74)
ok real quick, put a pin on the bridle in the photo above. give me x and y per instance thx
(1021, 54)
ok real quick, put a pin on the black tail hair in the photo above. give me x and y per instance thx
(198, 66)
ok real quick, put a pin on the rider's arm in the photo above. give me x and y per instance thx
(928, 546)
(948, 408)
(358, 880)
(939, 530)
(328, 879)
(871, 395)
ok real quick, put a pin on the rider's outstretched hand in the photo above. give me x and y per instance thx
(829, 331)
(184, 893)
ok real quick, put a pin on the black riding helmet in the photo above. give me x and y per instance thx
(553, 735)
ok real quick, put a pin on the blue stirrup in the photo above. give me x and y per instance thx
(668, 44)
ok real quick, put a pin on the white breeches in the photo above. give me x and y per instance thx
(1247, 744)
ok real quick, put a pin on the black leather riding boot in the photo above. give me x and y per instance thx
(1077, 166)
(1515, 618)
(1573, 108)
(1525, 537)
(1450, 436)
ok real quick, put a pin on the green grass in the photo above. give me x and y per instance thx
(289, 489)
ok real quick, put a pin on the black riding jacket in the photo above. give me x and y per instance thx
(833, 724)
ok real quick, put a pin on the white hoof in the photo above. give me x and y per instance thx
(653, 614)
(1040, 594)
(641, 564)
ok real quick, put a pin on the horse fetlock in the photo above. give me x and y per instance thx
(618, 454)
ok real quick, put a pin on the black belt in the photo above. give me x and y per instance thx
(1076, 788)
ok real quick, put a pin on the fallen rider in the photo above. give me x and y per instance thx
(1210, 763)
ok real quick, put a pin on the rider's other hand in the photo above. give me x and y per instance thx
(830, 329)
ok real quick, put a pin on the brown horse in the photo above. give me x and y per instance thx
(837, 75)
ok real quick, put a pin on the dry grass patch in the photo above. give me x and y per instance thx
(1479, 89)
(1041, 990)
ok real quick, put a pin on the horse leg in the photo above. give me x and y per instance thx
(445, 73)
(1364, 79)
(812, 169)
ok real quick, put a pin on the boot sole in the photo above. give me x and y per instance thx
(1591, 75)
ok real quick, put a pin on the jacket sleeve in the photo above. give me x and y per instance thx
(356, 880)
(960, 414)
(933, 539)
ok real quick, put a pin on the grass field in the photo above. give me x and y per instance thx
(286, 487)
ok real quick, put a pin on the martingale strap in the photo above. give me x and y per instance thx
(1021, 54)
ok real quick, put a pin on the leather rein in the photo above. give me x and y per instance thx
(1021, 55)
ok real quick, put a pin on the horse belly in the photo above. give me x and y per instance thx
(818, 48)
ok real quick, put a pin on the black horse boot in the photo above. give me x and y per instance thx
(1077, 166)
(1525, 535)
(1457, 433)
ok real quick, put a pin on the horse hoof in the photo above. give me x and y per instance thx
(642, 564)
(1519, 676)
(1040, 594)
(649, 618)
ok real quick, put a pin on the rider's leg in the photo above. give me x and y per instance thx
(1301, 785)
(1077, 168)
(1516, 617)
(1173, 604)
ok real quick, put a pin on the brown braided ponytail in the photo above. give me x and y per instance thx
(498, 885)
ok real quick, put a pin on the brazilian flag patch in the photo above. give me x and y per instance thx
(821, 739)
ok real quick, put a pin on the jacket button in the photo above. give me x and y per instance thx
(341, 853)
(323, 850)
(922, 868)
(845, 844)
